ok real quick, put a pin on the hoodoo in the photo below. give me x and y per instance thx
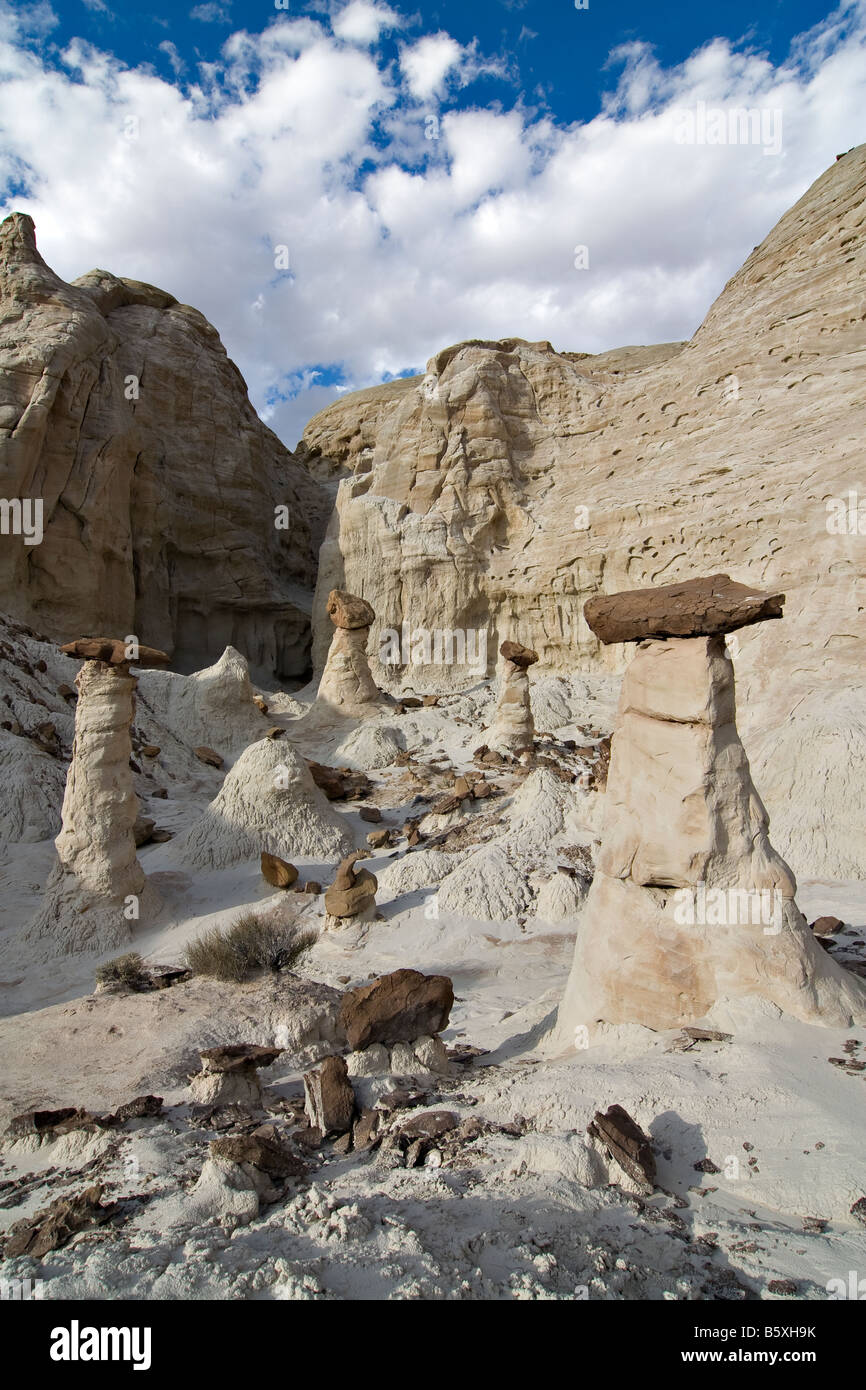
(89, 894)
(677, 917)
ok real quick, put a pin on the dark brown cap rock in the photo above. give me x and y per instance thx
(695, 608)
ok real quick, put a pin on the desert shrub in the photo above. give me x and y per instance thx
(251, 943)
(127, 972)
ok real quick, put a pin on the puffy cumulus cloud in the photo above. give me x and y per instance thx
(363, 22)
(310, 195)
(427, 63)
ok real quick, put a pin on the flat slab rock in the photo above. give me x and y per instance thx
(695, 608)
(396, 1008)
(626, 1142)
(113, 651)
(238, 1057)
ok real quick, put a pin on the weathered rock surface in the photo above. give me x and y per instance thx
(690, 903)
(351, 892)
(267, 799)
(396, 1008)
(349, 611)
(114, 652)
(616, 1136)
(695, 608)
(330, 1100)
(122, 412)
(461, 496)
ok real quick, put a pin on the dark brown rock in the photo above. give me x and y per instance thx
(365, 1134)
(274, 732)
(518, 655)
(208, 755)
(372, 814)
(238, 1057)
(278, 872)
(113, 651)
(312, 887)
(428, 1125)
(826, 926)
(694, 608)
(858, 1211)
(396, 1008)
(261, 1150)
(626, 1142)
(330, 1100)
(140, 1108)
(347, 610)
(56, 1224)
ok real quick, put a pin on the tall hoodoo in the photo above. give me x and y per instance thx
(98, 870)
(690, 902)
(347, 687)
(513, 728)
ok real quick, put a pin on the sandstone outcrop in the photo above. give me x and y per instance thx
(351, 893)
(94, 892)
(122, 413)
(514, 482)
(347, 688)
(690, 903)
(513, 728)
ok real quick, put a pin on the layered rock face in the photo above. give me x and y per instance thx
(690, 903)
(122, 414)
(518, 482)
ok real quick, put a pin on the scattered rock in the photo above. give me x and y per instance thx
(208, 755)
(617, 1134)
(278, 872)
(826, 926)
(55, 1225)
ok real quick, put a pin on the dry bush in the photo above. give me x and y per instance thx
(252, 942)
(126, 972)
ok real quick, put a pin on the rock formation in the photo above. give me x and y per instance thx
(123, 415)
(513, 728)
(347, 687)
(94, 893)
(230, 1074)
(690, 903)
(329, 1098)
(270, 802)
(351, 893)
(514, 482)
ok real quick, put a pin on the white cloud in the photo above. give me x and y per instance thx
(211, 13)
(363, 22)
(398, 244)
(427, 63)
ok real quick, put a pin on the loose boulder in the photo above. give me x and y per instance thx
(396, 1008)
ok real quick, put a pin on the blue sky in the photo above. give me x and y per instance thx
(345, 188)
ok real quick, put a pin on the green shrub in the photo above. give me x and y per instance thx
(251, 943)
(126, 971)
